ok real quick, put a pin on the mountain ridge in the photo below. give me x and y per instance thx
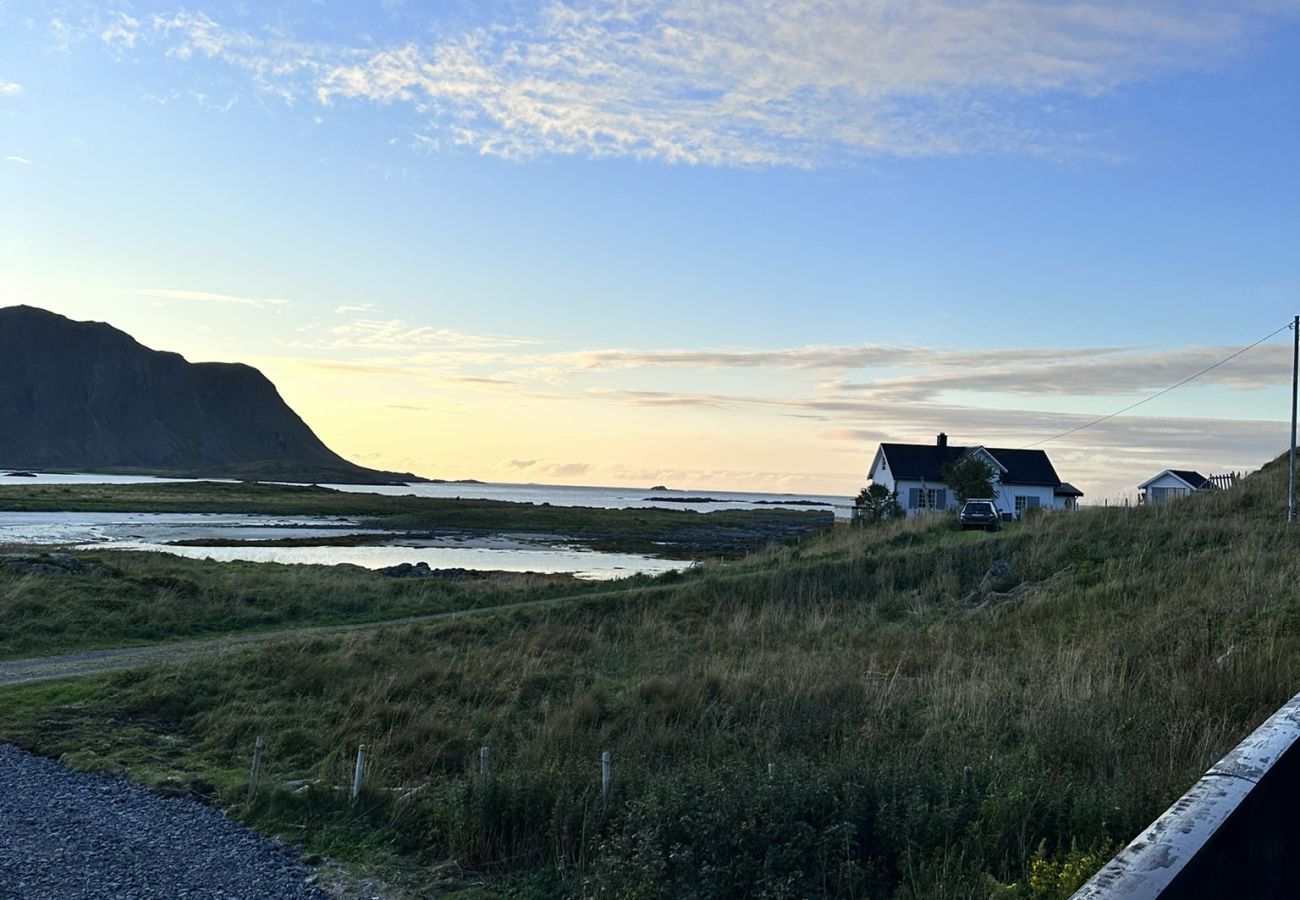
(87, 396)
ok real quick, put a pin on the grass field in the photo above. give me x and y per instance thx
(157, 597)
(927, 738)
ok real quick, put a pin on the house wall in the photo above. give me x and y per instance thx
(904, 488)
(1007, 493)
(1005, 499)
(880, 473)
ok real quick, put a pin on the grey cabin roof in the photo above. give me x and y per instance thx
(1065, 489)
(925, 462)
(1195, 479)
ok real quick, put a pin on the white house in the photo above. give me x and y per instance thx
(1172, 484)
(1023, 479)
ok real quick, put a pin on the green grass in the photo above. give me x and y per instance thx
(159, 597)
(926, 742)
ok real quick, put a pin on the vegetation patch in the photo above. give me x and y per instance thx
(820, 719)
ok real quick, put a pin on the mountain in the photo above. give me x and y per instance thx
(85, 396)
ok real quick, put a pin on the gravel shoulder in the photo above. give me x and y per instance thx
(66, 835)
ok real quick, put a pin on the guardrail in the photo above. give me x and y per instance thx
(1236, 833)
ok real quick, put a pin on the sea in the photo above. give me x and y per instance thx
(159, 531)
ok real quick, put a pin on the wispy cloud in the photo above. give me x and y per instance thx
(208, 297)
(10, 89)
(842, 400)
(1075, 371)
(22, 160)
(1122, 373)
(357, 308)
(735, 83)
(831, 358)
(121, 31)
(555, 469)
(1141, 437)
(396, 336)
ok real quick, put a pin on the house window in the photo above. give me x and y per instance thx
(929, 498)
(1024, 502)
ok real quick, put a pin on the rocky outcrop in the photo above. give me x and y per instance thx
(422, 570)
(51, 564)
(86, 396)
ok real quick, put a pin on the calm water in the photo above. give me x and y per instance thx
(609, 498)
(150, 531)
(554, 494)
(154, 531)
(522, 558)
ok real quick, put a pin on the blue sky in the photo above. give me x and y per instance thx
(709, 244)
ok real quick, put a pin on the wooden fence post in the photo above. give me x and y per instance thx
(606, 774)
(483, 760)
(771, 771)
(360, 771)
(255, 776)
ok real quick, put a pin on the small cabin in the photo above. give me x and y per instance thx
(1172, 484)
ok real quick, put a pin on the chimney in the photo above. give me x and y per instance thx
(941, 440)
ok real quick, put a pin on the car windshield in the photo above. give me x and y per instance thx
(980, 507)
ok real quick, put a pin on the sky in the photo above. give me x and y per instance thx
(709, 244)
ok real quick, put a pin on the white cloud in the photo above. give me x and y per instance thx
(395, 336)
(121, 31)
(10, 89)
(542, 467)
(360, 308)
(730, 82)
(1044, 372)
(18, 159)
(208, 297)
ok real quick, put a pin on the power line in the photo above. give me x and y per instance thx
(1160, 393)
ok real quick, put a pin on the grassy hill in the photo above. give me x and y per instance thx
(929, 737)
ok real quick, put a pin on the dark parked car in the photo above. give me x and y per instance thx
(980, 514)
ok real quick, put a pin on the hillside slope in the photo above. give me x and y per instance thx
(86, 396)
(930, 735)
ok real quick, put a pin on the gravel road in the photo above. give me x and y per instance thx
(69, 836)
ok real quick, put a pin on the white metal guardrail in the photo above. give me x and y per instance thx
(1235, 833)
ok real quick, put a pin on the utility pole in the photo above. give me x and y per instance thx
(1295, 384)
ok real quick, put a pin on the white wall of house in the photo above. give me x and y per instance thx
(880, 473)
(1043, 496)
(1005, 499)
(1165, 488)
(935, 492)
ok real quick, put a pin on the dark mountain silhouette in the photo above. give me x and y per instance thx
(86, 396)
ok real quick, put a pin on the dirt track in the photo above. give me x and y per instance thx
(99, 662)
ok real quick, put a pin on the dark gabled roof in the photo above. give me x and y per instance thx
(926, 461)
(919, 461)
(1026, 466)
(1065, 489)
(1198, 481)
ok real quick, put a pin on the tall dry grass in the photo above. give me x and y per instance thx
(926, 742)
